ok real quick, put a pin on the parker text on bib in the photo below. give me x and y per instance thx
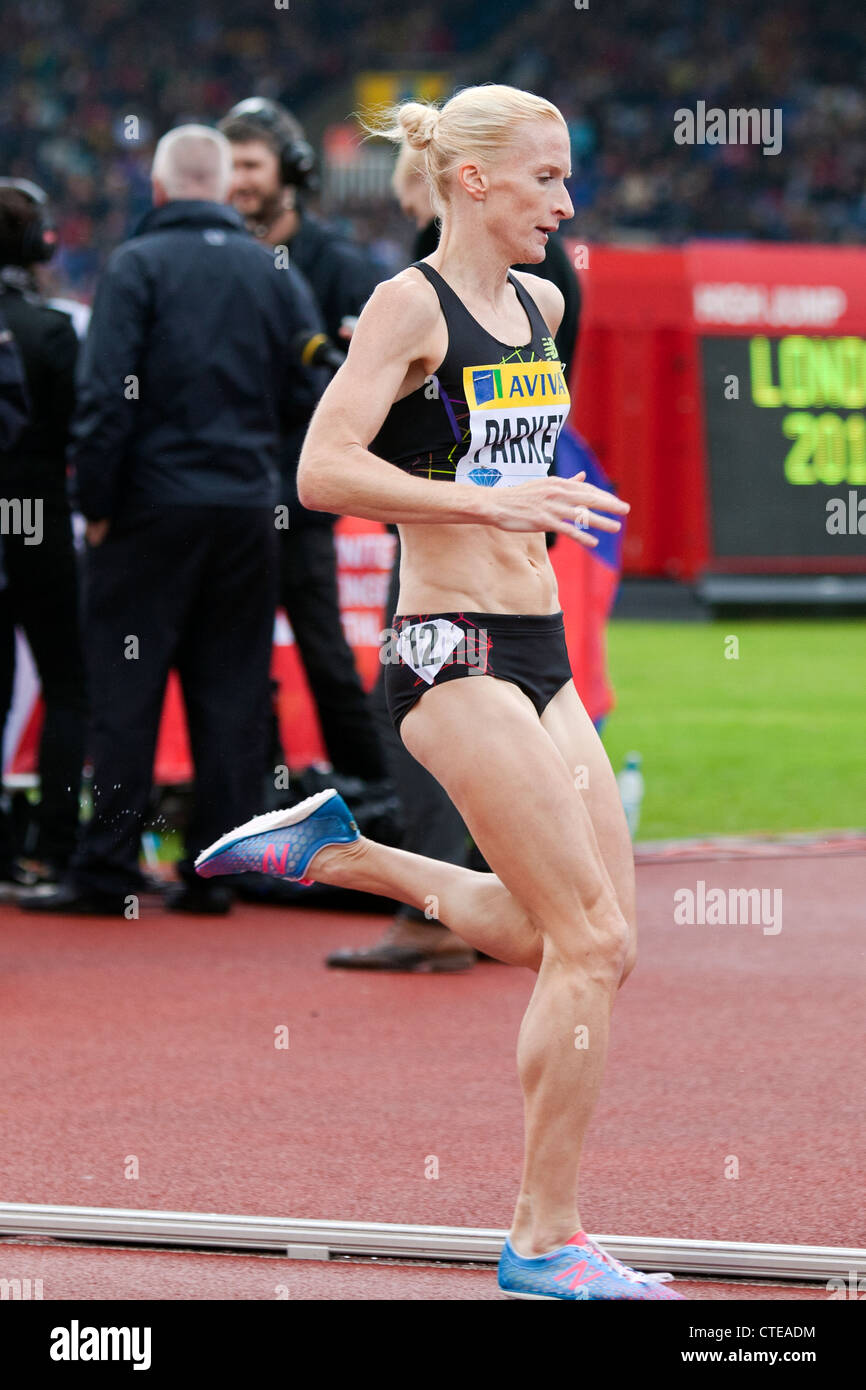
(516, 411)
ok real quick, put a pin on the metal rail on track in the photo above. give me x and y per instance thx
(310, 1240)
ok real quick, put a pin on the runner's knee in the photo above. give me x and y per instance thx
(597, 946)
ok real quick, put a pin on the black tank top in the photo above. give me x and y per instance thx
(491, 414)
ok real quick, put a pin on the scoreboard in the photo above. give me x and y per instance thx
(786, 443)
(723, 387)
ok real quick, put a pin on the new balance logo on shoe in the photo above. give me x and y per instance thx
(581, 1272)
(274, 863)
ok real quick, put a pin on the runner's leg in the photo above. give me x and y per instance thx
(483, 742)
(572, 730)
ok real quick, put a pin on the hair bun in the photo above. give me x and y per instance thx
(420, 123)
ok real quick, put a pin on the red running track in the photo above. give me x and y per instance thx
(126, 1275)
(155, 1039)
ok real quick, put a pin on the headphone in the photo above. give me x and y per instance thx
(39, 237)
(297, 157)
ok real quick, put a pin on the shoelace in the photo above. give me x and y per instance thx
(634, 1276)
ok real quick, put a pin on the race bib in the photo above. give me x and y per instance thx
(516, 411)
(425, 647)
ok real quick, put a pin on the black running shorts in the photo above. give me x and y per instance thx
(425, 649)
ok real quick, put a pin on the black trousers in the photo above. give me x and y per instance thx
(432, 823)
(308, 593)
(42, 597)
(192, 588)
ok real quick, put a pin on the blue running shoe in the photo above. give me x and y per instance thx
(578, 1270)
(282, 843)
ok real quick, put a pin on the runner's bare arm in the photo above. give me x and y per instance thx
(337, 472)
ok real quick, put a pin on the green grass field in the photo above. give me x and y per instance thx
(772, 741)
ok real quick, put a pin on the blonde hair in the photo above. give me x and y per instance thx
(475, 123)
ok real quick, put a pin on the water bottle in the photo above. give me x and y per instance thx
(631, 789)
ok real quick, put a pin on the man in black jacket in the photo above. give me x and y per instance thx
(272, 169)
(41, 593)
(188, 373)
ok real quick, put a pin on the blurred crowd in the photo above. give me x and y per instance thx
(72, 73)
(619, 82)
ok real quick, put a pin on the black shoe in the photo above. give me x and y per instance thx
(67, 900)
(207, 899)
(36, 873)
(411, 949)
(17, 875)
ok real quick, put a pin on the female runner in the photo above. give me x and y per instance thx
(444, 419)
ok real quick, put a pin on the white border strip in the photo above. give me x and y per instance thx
(321, 1239)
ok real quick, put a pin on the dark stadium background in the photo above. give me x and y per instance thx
(72, 70)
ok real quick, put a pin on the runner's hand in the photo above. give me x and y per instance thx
(565, 505)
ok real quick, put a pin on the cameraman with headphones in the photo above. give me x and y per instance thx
(42, 590)
(274, 167)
